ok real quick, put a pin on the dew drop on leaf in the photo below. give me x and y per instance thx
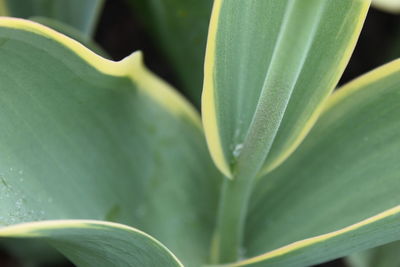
(237, 150)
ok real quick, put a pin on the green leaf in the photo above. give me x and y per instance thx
(72, 33)
(179, 28)
(95, 243)
(344, 173)
(269, 67)
(383, 256)
(332, 245)
(87, 138)
(80, 14)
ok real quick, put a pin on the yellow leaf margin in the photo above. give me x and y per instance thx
(346, 91)
(35, 230)
(209, 114)
(131, 67)
(314, 240)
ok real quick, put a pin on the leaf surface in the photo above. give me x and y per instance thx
(383, 256)
(318, 249)
(343, 179)
(80, 14)
(179, 29)
(72, 33)
(87, 138)
(269, 67)
(95, 243)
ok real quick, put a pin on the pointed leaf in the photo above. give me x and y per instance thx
(95, 243)
(87, 138)
(269, 67)
(345, 172)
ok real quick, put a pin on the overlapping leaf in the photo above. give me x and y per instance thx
(80, 14)
(87, 138)
(72, 33)
(94, 243)
(269, 67)
(343, 180)
(180, 29)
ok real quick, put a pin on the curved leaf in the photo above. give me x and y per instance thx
(95, 243)
(365, 234)
(72, 33)
(180, 29)
(345, 171)
(87, 138)
(80, 14)
(269, 67)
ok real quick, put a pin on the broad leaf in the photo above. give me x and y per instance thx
(87, 138)
(346, 172)
(94, 243)
(269, 67)
(80, 14)
(180, 29)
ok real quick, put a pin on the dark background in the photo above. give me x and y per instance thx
(120, 33)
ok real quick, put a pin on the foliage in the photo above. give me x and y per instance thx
(94, 150)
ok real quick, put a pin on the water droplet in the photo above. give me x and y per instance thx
(21, 172)
(237, 150)
(19, 203)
